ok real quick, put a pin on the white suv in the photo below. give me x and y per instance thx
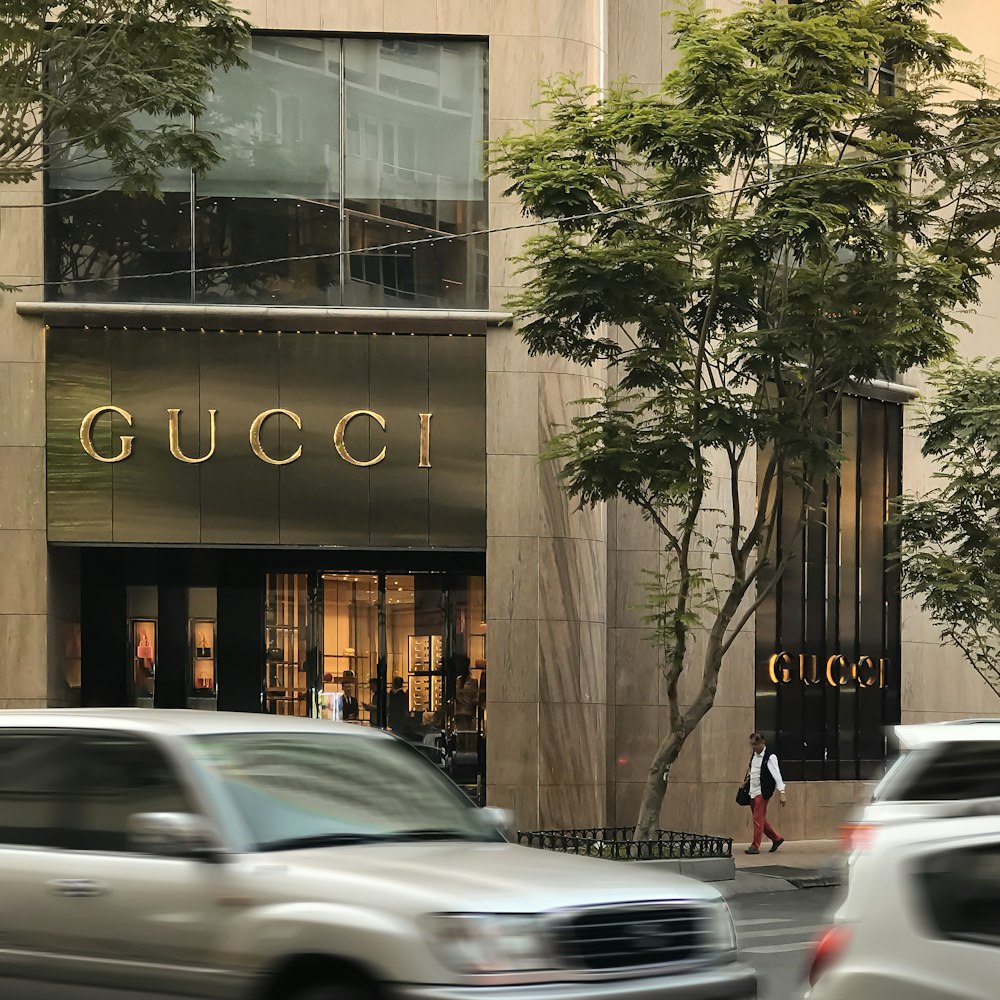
(944, 769)
(219, 855)
(922, 917)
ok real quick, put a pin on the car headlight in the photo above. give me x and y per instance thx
(484, 943)
(722, 930)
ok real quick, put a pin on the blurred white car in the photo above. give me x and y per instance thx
(218, 855)
(943, 770)
(921, 920)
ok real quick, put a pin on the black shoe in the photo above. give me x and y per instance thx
(752, 850)
(776, 844)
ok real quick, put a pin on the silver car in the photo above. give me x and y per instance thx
(205, 855)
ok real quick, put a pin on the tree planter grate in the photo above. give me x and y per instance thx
(618, 844)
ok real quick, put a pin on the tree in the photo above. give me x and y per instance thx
(951, 536)
(113, 80)
(776, 225)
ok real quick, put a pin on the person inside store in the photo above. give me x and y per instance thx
(466, 696)
(349, 684)
(399, 707)
(376, 706)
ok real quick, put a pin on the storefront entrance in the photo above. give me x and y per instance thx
(290, 634)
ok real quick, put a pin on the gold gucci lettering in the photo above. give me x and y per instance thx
(783, 668)
(341, 430)
(174, 437)
(87, 434)
(258, 448)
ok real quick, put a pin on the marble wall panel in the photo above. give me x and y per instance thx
(725, 744)
(513, 744)
(463, 17)
(410, 16)
(23, 666)
(22, 392)
(21, 247)
(687, 767)
(571, 575)
(682, 807)
(636, 41)
(638, 667)
(293, 15)
(22, 489)
(636, 740)
(571, 666)
(520, 800)
(512, 578)
(21, 340)
(23, 579)
(635, 531)
(512, 414)
(571, 740)
(514, 658)
(353, 16)
(628, 795)
(513, 499)
(630, 597)
(564, 806)
(517, 64)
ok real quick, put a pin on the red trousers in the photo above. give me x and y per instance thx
(760, 823)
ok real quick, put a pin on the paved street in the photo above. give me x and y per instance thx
(776, 932)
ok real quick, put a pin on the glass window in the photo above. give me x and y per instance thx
(294, 789)
(399, 159)
(277, 193)
(116, 778)
(33, 788)
(953, 772)
(414, 171)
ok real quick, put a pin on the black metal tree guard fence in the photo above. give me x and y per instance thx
(617, 843)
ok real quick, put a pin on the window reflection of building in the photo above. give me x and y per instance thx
(411, 168)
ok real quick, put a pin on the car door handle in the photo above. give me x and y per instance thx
(76, 887)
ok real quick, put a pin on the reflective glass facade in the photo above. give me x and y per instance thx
(366, 145)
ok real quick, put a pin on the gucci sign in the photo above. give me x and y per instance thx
(173, 422)
(837, 671)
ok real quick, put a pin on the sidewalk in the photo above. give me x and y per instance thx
(798, 864)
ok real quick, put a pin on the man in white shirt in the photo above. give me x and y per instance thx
(765, 779)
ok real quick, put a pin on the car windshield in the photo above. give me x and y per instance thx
(950, 772)
(305, 790)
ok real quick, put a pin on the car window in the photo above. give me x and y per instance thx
(950, 772)
(293, 788)
(34, 783)
(116, 778)
(961, 894)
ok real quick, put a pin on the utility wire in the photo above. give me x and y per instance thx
(555, 220)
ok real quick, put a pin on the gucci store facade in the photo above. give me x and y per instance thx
(278, 521)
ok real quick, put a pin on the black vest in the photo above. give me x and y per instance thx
(767, 782)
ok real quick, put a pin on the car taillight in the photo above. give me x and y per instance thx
(828, 949)
(856, 836)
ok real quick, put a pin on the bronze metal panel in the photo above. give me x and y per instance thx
(77, 379)
(239, 492)
(156, 496)
(324, 500)
(457, 478)
(398, 488)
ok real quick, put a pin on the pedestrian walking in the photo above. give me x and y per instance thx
(764, 779)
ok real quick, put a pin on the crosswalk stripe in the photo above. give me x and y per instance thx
(774, 949)
(788, 932)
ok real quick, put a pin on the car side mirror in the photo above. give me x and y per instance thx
(499, 820)
(174, 835)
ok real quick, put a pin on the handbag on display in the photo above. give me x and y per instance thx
(144, 651)
(203, 649)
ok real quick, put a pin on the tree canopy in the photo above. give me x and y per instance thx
(803, 206)
(951, 535)
(117, 80)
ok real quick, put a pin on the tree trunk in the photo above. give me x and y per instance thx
(648, 821)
